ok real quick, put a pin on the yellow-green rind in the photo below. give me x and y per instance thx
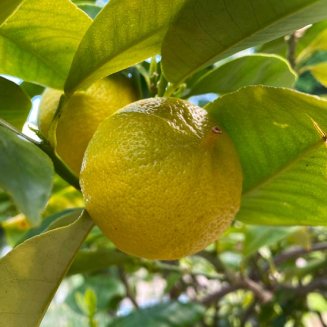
(160, 180)
(82, 113)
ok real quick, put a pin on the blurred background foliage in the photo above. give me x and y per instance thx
(252, 276)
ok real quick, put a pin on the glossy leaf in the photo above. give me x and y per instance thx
(319, 71)
(26, 173)
(171, 314)
(279, 135)
(14, 103)
(123, 34)
(31, 273)
(248, 70)
(38, 41)
(210, 30)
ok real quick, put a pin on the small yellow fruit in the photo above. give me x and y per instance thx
(160, 179)
(81, 114)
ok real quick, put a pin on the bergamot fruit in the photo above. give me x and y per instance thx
(161, 179)
(81, 114)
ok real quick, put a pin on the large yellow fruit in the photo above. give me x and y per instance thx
(81, 115)
(160, 179)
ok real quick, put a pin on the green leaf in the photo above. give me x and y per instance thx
(206, 31)
(47, 223)
(26, 173)
(90, 261)
(259, 236)
(14, 103)
(279, 135)
(107, 289)
(7, 7)
(89, 8)
(123, 34)
(248, 70)
(319, 71)
(31, 273)
(38, 41)
(173, 314)
(32, 89)
(314, 39)
(277, 47)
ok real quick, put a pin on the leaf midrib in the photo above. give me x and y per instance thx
(190, 72)
(286, 167)
(114, 55)
(36, 55)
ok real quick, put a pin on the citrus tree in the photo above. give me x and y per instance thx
(165, 162)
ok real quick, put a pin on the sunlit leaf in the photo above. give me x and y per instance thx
(14, 103)
(319, 71)
(26, 173)
(208, 30)
(38, 41)
(31, 273)
(248, 70)
(279, 135)
(123, 34)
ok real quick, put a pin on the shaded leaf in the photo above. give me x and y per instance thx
(173, 314)
(277, 47)
(248, 70)
(213, 29)
(123, 34)
(259, 236)
(319, 71)
(314, 39)
(14, 103)
(32, 89)
(89, 261)
(106, 287)
(7, 7)
(38, 41)
(31, 273)
(26, 174)
(48, 222)
(89, 8)
(279, 136)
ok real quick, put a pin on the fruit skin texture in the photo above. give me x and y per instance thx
(160, 180)
(81, 114)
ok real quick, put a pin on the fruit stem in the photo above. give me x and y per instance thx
(61, 169)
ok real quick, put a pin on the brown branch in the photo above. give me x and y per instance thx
(321, 318)
(128, 291)
(291, 53)
(317, 284)
(259, 292)
(217, 296)
(297, 252)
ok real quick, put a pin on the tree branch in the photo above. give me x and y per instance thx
(297, 252)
